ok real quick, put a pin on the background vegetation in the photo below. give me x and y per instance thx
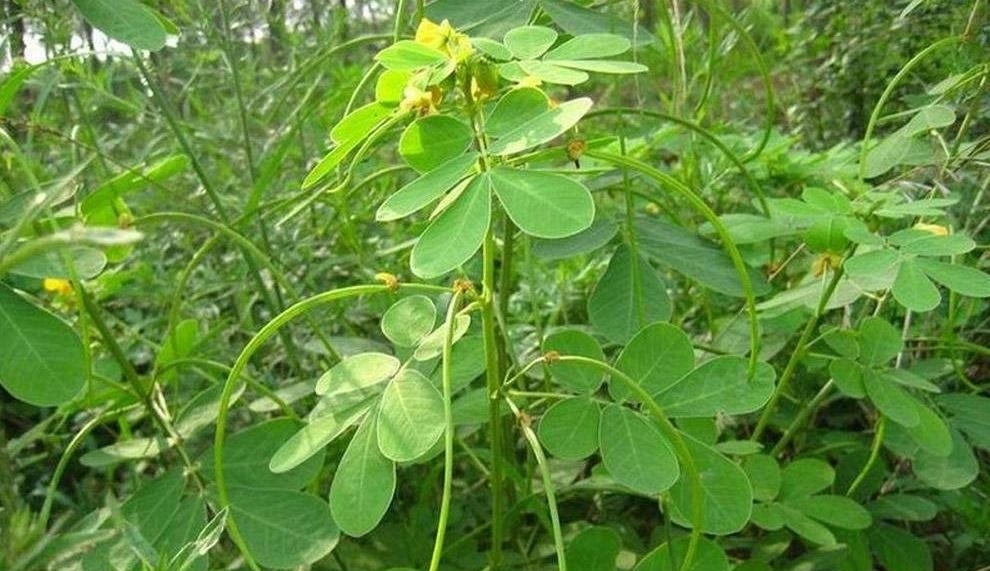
(175, 275)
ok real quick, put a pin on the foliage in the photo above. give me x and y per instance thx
(525, 285)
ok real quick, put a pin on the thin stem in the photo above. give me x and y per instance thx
(548, 488)
(493, 381)
(672, 434)
(875, 115)
(260, 338)
(797, 355)
(448, 433)
(802, 418)
(874, 455)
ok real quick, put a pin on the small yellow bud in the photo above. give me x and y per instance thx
(824, 263)
(390, 280)
(57, 286)
(529, 81)
(420, 101)
(936, 229)
(463, 286)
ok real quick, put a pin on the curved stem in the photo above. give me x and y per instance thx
(705, 134)
(259, 339)
(875, 115)
(796, 355)
(548, 487)
(448, 433)
(874, 455)
(672, 434)
(730, 246)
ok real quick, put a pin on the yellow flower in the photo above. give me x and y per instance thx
(420, 101)
(824, 263)
(936, 229)
(57, 285)
(529, 81)
(445, 38)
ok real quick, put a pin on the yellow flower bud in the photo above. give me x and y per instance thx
(936, 229)
(57, 286)
(445, 38)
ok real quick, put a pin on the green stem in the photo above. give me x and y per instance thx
(260, 338)
(802, 418)
(797, 355)
(672, 434)
(875, 115)
(63, 461)
(448, 433)
(702, 208)
(874, 455)
(548, 487)
(736, 161)
(493, 380)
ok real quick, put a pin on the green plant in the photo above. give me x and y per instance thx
(635, 338)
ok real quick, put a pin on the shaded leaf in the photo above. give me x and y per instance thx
(656, 357)
(363, 484)
(628, 297)
(42, 360)
(569, 429)
(635, 453)
(456, 234)
(541, 204)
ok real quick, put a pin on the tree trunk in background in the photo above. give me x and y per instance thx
(13, 15)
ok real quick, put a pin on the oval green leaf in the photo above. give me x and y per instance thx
(913, 289)
(409, 320)
(551, 73)
(727, 497)
(964, 280)
(541, 204)
(838, 511)
(127, 21)
(456, 234)
(42, 360)
(411, 418)
(541, 128)
(311, 439)
(574, 376)
(407, 55)
(657, 357)
(363, 484)
(635, 453)
(590, 46)
(425, 189)
(515, 109)
(528, 42)
(720, 385)
(357, 373)
(431, 141)
(283, 529)
(891, 399)
(628, 297)
(569, 428)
